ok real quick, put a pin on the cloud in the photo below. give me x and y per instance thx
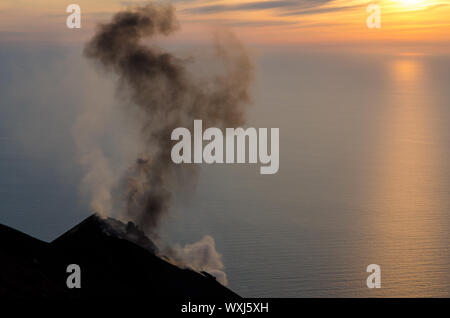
(242, 23)
(323, 10)
(257, 5)
(438, 5)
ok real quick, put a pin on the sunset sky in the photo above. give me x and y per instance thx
(422, 23)
(364, 144)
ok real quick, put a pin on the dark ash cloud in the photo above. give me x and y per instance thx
(167, 95)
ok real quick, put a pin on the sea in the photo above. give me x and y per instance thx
(364, 173)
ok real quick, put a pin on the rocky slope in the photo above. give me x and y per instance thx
(116, 261)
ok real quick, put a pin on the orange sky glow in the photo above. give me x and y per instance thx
(424, 23)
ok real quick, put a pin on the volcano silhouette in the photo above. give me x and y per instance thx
(116, 260)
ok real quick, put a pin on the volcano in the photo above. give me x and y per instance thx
(116, 261)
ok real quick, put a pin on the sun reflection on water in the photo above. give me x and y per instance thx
(403, 201)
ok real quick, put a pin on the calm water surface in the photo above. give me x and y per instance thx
(364, 178)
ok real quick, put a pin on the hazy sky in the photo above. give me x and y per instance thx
(414, 23)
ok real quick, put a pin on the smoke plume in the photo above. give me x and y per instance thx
(166, 94)
(200, 256)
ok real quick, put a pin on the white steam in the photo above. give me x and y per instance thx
(200, 256)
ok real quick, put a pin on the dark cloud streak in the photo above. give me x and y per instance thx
(322, 10)
(284, 5)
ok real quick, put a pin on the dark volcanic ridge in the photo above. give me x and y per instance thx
(117, 261)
